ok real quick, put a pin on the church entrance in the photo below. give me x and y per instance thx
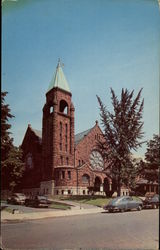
(97, 184)
(106, 187)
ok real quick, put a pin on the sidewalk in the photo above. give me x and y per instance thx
(8, 217)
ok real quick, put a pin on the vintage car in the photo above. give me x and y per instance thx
(151, 201)
(37, 201)
(123, 203)
(16, 198)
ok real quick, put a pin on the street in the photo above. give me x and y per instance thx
(129, 230)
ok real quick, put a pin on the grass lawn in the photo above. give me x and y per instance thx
(58, 205)
(92, 200)
(99, 201)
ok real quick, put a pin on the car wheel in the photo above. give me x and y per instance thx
(110, 211)
(139, 208)
(154, 206)
(122, 210)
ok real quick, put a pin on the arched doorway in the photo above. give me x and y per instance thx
(106, 186)
(97, 184)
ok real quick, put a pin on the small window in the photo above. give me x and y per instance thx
(63, 174)
(67, 162)
(84, 192)
(66, 128)
(61, 127)
(69, 191)
(57, 174)
(86, 179)
(51, 109)
(57, 192)
(69, 175)
(61, 160)
(62, 191)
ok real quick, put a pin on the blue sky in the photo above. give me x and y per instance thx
(102, 43)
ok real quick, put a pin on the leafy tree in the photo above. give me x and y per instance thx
(12, 166)
(122, 132)
(150, 168)
(6, 140)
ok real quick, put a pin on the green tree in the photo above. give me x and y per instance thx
(6, 140)
(122, 132)
(152, 159)
(12, 167)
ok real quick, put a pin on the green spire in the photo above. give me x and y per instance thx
(59, 79)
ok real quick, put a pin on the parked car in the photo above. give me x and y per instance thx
(37, 201)
(16, 198)
(151, 201)
(123, 203)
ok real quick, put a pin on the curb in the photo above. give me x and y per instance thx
(15, 218)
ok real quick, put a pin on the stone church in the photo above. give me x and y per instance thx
(58, 162)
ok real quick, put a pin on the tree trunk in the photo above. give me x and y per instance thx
(118, 187)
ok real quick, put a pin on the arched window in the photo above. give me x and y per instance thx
(51, 109)
(60, 135)
(86, 179)
(67, 161)
(66, 137)
(63, 108)
(61, 160)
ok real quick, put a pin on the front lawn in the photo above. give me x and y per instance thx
(99, 201)
(58, 205)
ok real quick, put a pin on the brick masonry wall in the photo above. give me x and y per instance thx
(86, 145)
(32, 145)
(48, 156)
(53, 135)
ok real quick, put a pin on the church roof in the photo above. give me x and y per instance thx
(59, 80)
(37, 132)
(80, 136)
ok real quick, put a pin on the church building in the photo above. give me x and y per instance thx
(58, 162)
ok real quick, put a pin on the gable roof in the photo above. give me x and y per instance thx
(78, 137)
(37, 132)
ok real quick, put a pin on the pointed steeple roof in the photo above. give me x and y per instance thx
(59, 79)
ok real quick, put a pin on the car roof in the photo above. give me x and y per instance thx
(120, 197)
(19, 194)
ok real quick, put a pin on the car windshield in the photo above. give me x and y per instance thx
(41, 197)
(20, 195)
(115, 200)
(155, 197)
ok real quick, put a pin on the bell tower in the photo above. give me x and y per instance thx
(58, 126)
